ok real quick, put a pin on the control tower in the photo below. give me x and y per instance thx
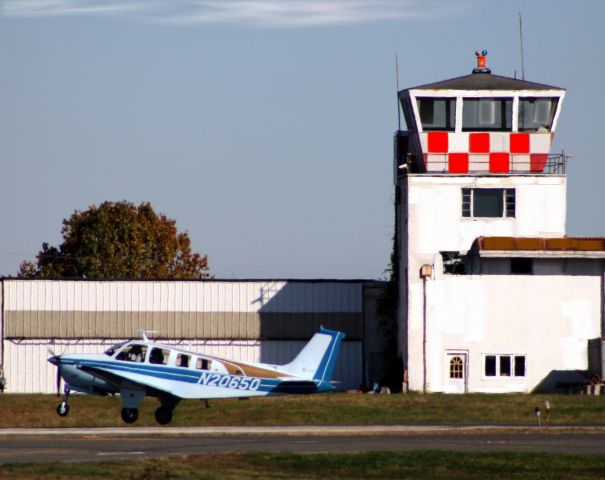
(491, 291)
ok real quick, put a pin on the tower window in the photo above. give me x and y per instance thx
(488, 202)
(487, 114)
(437, 113)
(536, 114)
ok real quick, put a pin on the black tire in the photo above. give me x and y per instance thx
(163, 415)
(63, 409)
(130, 415)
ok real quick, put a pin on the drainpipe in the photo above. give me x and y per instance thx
(602, 343)
(426, 271)
(2, 377)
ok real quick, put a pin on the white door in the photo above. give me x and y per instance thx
(456, 372)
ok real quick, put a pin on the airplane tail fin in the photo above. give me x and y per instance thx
(317, 359)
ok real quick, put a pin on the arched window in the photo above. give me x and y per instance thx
(456, 367)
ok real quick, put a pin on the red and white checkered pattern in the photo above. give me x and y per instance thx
(494, 152)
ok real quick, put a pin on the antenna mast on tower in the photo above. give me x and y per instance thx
(521, 38)
(397, 93)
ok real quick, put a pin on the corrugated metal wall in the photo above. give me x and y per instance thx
(259, 321)
(181, 309)
(27, 371)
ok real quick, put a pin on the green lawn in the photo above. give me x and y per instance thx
(328, 409)
(383, 465)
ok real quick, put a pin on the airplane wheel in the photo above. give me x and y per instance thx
(163, 415)
(130, 415)
(63, 409)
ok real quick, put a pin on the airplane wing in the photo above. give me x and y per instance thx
(178, 382)
(117, 379)
(187, 384)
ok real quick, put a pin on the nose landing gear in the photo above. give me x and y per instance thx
(63, 407)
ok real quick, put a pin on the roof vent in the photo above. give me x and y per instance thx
(481, 62)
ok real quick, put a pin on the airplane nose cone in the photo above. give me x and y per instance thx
(55, 360)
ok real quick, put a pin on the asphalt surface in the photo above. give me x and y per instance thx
(73, 445)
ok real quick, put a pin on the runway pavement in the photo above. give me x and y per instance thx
(86, 444)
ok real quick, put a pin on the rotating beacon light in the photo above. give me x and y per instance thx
(481, 62)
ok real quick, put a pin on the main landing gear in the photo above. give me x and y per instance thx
(130, 415)
(132, 398)
(63, 407)
(163, 415)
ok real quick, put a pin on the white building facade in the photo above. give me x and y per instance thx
(493, 297)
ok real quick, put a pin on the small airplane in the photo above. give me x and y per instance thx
(139, 368)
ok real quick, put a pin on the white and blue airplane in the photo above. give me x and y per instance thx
(140, 368)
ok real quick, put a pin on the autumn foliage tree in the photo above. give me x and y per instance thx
(118, 240)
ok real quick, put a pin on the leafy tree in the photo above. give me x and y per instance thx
(118, 240)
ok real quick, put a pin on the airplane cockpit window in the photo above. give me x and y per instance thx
(182, 360)
(114, 348)
(159, 356)
(133, 353)
(203, 364)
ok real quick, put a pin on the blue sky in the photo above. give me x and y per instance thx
(264, 127)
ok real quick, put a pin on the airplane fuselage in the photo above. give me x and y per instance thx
(140, 368)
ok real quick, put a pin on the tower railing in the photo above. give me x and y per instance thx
(480, 163)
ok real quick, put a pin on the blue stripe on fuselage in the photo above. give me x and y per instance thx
(176, 374)
(163, 373)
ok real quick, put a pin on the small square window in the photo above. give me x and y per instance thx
(519, 365)
(490, 365)
(505, 366)
(488, 202)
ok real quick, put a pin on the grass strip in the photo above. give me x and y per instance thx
(384, 465)
(329, 409)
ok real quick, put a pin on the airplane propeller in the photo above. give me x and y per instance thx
(58, 381)
(56, 360)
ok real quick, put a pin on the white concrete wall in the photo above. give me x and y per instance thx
(27, 371)
(489, 314)
(547, 318)
(435, 220)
